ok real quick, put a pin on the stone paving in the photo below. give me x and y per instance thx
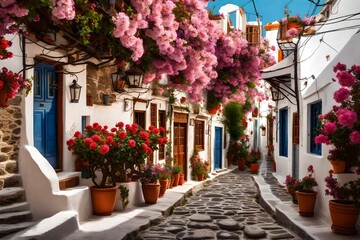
(226, 208)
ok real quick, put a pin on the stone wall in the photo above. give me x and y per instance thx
(10, 128)
(98, 83)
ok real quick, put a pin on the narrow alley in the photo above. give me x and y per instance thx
(226, 208)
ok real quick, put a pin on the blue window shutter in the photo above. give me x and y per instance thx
(315, 111)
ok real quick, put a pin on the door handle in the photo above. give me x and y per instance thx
(42, 104)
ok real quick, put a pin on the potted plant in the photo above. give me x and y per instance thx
(241, 152)
(124, 196)
(110, 151)
(212, 102)
(177, 169)
(164, 176)
(10, 85)
(340, 127)
(98, 146)
(292, 185)
(305, 194)
(345, 207)
(149, 182)
(253, 159)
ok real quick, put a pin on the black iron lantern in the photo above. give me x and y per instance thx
(75, 90)
(135, 77)
(118, 81)
(275, 94)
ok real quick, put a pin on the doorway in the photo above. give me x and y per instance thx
(218, 148)
(46, 113)
(180, 141)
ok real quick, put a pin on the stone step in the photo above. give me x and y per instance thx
(15, 217)
(12, 180)
(12, 195)
(57, 226)
(7, 229)
(15, 207)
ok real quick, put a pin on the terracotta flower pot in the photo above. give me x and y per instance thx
(200, 177)
(168, 183)
(103, 200)
(254, 167)
(181, 179)
(163, 185)
(176, 180)
(306, 203)
(344, 215)
(241, 164)
(338, 166)
(3, 99)
(151, 192)
(212, 111)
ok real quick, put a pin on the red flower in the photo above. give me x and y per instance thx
(88, 141)
(93, 146)
(132, 143)
(96, 138)
(77, 134)
(122, 135)
(161, 129)
(109, 140)
(104, 149)
(128, 127)
(144, 135)
(113, 130)
(89, 127)
(120, 124)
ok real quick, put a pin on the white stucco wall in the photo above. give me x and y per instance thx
(317, 56)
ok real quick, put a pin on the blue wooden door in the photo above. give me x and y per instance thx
(45, 112)
(218, 148)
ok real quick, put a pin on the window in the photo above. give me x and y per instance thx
(295, 128)
(199, 134)
(283, 132)
(139, 118)
(162, 123)
(83, 123)
(315, 111)
(253, 35)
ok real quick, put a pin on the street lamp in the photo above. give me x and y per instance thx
(275, 94)
(135, 77)
(75, 90)
(118, 81)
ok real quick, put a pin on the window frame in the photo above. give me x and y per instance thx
(199, 135)
(283, 132)
(315, 111)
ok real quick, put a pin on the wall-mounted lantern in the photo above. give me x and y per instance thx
(192, 121)
(75, 90)
(118, 79)
(135, 77)
(263, 130)
(275, 94)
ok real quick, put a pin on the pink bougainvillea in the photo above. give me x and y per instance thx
(340, 127)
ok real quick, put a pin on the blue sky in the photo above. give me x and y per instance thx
(269, 10)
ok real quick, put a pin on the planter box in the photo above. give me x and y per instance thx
(135, 195)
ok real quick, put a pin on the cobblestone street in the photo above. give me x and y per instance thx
(226, 208)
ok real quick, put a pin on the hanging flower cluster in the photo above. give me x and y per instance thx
(4, 53)
(340, 127)
(12, 83)
(172, 37)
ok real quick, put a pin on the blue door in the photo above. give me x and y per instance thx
(218, 148)
(45, 112)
